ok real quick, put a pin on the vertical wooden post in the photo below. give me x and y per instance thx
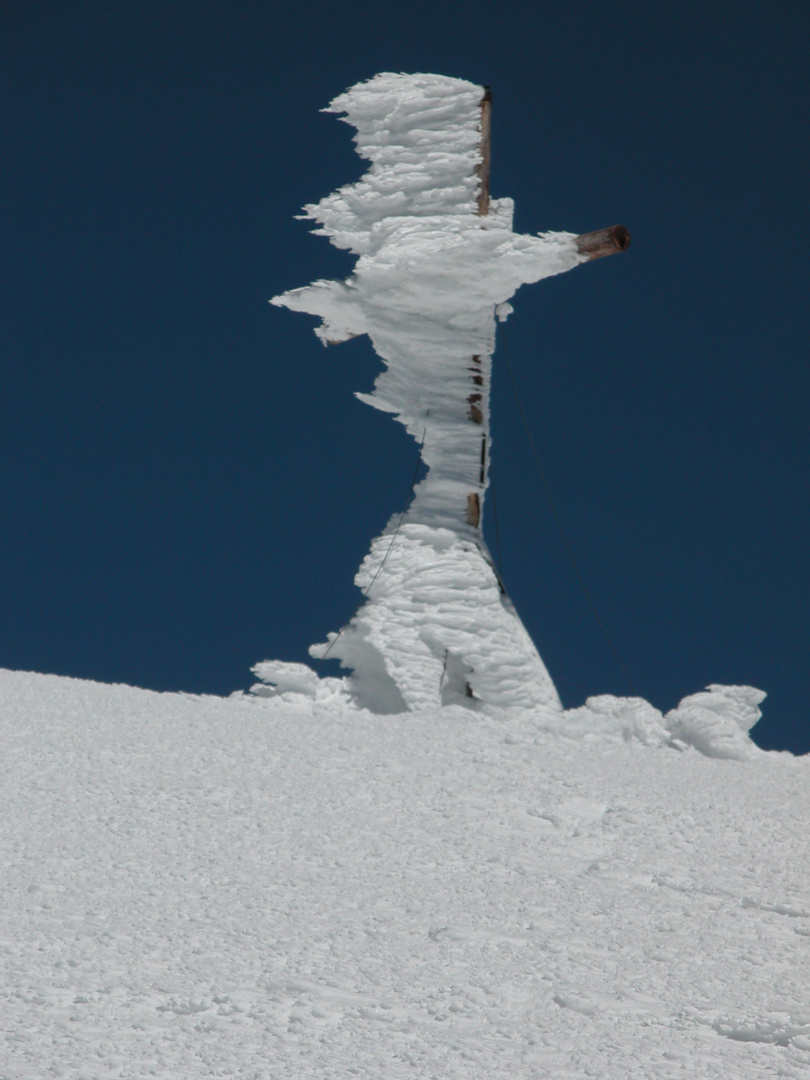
(477, 399)
(482, 170)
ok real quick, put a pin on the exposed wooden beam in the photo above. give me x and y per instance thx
(486, 140)
(476, 398)
(603, 242)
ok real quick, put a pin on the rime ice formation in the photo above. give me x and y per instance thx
(435, 266)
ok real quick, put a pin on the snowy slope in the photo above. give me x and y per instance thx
(273, 887)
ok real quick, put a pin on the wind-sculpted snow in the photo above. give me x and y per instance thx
(716, 722)
(431, 274)
(293, 887)
(422, 135)
(433, 604)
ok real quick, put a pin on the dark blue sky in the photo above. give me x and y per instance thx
(188, 484)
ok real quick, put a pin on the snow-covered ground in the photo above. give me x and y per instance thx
(289, 886)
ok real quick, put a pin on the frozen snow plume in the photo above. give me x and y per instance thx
(279, 677)
(295, 683)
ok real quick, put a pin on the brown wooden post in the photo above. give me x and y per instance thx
(603, 242)
(477, 399)
(482, 170)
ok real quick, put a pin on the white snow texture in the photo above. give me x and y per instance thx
(260, 888)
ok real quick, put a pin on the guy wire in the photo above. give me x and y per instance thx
(555, 515)
(401, 516)
(368, 588)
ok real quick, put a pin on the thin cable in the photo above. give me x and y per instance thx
(401, 516)
(558, 523)
(367, 590)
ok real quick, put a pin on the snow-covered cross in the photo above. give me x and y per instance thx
(438, 262)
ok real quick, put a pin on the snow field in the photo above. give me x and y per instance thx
(253, 887)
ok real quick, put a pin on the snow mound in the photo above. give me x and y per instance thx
(630, 718)
(717, 721)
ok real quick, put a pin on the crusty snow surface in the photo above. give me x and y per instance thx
(291, 886)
